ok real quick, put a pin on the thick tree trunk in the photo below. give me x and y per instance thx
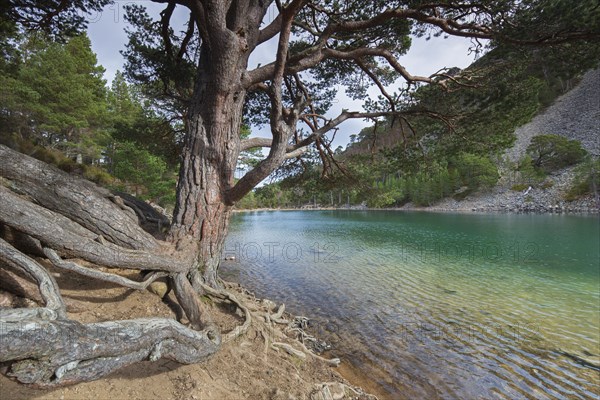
(67, 218)
(207, 171)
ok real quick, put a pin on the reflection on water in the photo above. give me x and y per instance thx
(449, 306)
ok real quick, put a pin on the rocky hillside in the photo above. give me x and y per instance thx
(575, 115)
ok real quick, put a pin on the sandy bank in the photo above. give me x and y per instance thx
(249, 367)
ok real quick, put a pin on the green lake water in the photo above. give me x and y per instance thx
(428, 305)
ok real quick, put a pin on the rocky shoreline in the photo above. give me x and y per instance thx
(541, 199)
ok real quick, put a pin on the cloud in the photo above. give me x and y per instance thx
(107, 32)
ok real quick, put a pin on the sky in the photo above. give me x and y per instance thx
(107, 32)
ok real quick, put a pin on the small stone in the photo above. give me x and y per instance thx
(337, 391)
(268, 304)
(158, 288)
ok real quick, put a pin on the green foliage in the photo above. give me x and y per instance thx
(57, 18)
(519, 187)
(476, 172)
(587, 180)
(249, 202)
(146, 174)
(55, 107)
(55, 96)
(132, 120)
(98, 175)
(553, 152)
(525, 172)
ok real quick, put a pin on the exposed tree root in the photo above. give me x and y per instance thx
(72, 240)
(59, 215)
(77, 199)
(43, 351)
(47, 285)
(23, 288)
(146, 214)
(226, 295)
(262, 321)
(102, 276)
(50, 213)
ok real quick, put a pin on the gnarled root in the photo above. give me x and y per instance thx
(43, 352)
(263, 320)
(62, 217)
(228, 296)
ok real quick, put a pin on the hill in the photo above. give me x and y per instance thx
(575, 115)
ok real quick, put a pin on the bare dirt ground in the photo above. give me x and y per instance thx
(246, 368)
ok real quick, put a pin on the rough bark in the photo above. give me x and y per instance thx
(74, 197)
(210, 154)
(188, 299)
(48, 287)
(74, 241)
(61, 215)
(100, 275)
(43, 354)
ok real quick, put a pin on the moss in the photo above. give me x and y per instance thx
(98, 175)
(547, 184)
(519, 187)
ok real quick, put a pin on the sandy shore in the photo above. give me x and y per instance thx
(249, 367)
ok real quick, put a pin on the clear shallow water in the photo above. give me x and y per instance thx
(452, 306)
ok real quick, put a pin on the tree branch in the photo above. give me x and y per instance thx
(165, 20)
(271, 30)
(374, 78)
